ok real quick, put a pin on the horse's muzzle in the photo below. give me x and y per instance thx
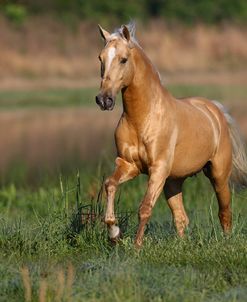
(105, 102)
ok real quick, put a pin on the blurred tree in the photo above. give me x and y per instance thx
(15, 12)
(186, 11)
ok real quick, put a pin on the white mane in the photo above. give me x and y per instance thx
(119, 32)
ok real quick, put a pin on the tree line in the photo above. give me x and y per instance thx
(184, 11)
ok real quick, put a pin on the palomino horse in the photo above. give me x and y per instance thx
(167, 138)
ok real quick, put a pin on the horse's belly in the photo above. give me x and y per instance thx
(184, 170)
(188, 161)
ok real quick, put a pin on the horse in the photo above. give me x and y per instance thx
(166, 138)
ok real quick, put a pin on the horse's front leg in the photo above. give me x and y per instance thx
(123, 171)
(155, 185)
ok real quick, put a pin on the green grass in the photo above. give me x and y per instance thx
(47, 98)
(36, 231)
(40, 230)
(86, 96)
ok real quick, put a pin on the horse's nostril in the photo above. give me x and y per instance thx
(97, 99)
(109, 101)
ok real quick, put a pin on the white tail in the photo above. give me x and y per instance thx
(239, 159)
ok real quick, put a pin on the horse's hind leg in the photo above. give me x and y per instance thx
(173, 193)
(224, 198)
(219, 173)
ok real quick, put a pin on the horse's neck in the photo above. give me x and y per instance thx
(145, 90)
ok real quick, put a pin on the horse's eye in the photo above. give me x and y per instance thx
(123, 60)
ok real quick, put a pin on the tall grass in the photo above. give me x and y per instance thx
(54, 246)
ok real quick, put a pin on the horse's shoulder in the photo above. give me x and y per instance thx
(124, 128)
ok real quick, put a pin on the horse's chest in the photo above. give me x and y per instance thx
(139, 155)
(135, 152)
(131, 145)
(142, 157)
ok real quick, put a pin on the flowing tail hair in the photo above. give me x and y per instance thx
(238, 177)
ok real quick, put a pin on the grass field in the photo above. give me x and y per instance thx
(70, 261)
(52, 250)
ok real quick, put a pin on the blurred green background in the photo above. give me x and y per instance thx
(57, 147)
(49, 73)
(187, 11)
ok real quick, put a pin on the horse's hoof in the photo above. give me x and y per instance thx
(114, 233)
(137, 247)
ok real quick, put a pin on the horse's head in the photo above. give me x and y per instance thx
(116, 65)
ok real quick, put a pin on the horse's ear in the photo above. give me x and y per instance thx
(104, 33)
(127, 35)
(125, 32)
